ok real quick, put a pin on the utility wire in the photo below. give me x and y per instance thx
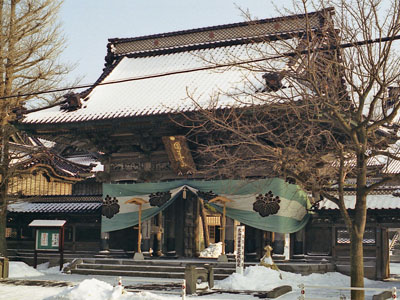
(211, 67)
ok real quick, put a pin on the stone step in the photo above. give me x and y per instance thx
(119, 272)
(395, 258)
(157, 262)
(147, 274)
(148, 268)
(176, 268)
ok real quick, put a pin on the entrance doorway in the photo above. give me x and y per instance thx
(394, 252)
(181, 226)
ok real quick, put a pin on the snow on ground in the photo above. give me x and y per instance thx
(21, 269)
(259, 278)
(12, 292)
(94, 289)
(255, 278)
(395, 268)
(214, 250)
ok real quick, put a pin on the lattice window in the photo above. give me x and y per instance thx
(11, 233)
(211, 232)
(343, 237)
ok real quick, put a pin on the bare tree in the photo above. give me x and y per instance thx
(314, 106)
(30, 45)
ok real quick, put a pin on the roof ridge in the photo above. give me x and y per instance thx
(216, 34)
(217, 27)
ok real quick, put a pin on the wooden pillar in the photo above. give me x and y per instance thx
(170, 218)
(204, 222)
(139, 202)
(223, 228)
(382, 253)
(385, 251)
(333, 243)
(292, 242)
(230, 235)
(196, 226)
(139, 250)
(74, 237)
(159, 234)
(180, 209)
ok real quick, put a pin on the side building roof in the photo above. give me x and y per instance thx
(379, 200)
(27, 158)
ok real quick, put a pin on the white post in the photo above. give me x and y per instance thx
(183, 289)
(343, 288)
(302, 291)
(240, 232)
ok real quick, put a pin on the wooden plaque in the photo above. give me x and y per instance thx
(179, 154)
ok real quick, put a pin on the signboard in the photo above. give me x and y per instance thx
(239, 249)
(179, 154)
(49, 236)
(48, 239)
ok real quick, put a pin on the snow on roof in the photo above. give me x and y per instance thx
(387, 201)
(47, 223)
(87, 160)
(47, 143)
(178, 54)
(166, 94)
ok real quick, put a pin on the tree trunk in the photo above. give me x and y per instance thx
(3, 224)
(358, 226)
(2, 40)
(4, 174)
(357, 264)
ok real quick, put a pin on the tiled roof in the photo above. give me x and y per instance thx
(161, 95)
(60, 207)
(59, 198)
(393, 167)
(387, 201)
(157, 94)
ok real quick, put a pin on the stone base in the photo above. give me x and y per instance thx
(138, 256)
(279, 291)
(382, 296)
(222, 258)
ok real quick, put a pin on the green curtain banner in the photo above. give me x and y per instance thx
(291, 216)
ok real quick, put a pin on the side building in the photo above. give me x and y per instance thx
(51, 187)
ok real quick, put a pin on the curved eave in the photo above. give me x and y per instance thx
(51, 171)
(65, 127)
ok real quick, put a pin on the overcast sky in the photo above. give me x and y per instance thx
(88, 24)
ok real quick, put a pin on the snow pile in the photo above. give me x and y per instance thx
(18, 269)
(214, 250)
(256, 278)
(93, 289)
(46, 269)
(259, 278)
